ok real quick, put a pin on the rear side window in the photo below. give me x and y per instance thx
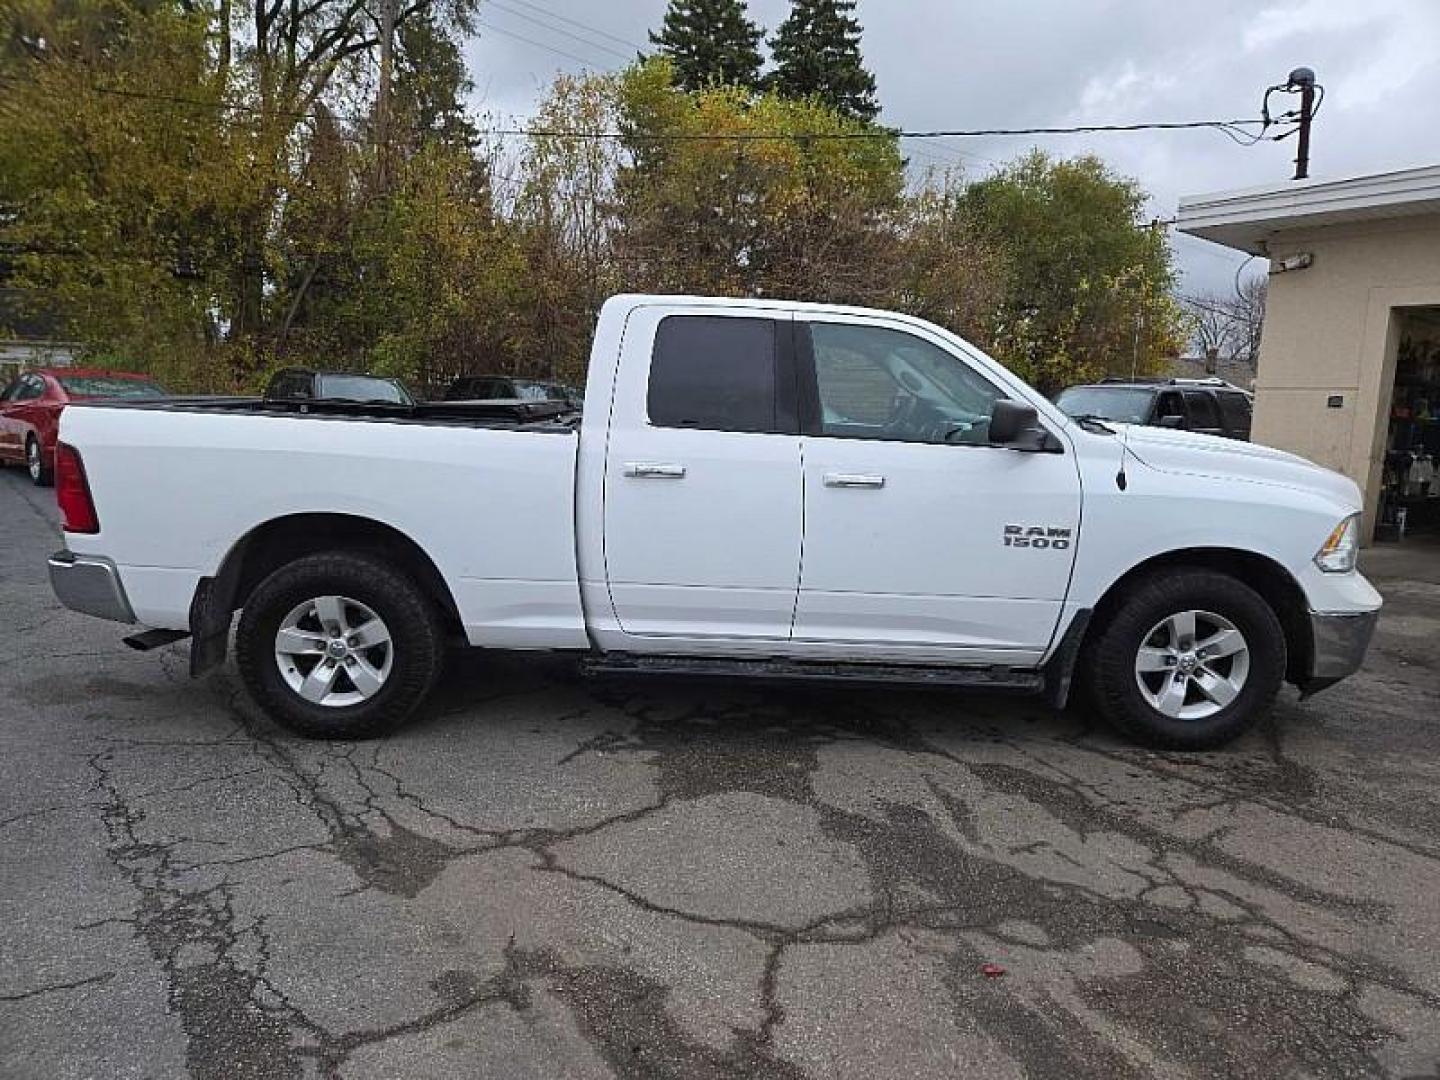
(713, 372)
(1235, 409)
(1203, 413)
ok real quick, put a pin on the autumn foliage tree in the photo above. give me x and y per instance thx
(192, 190)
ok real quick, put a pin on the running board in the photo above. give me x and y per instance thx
(995, 677)
(154, 639)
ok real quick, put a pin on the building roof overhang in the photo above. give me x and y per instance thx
(1246, 220)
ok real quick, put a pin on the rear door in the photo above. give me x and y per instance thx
(703, 515)
(1204, 413)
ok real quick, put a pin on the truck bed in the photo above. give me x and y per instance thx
(504, 415)
(485, 492)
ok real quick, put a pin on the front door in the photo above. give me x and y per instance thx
(922, 541)
(702, 477)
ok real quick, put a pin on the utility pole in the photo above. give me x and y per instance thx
(1303, 79)
(382, 95)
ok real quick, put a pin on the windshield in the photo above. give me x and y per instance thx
(543, 391)
(1124, 405)
(109, 386)
(361, 388)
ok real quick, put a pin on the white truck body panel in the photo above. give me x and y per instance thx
(494, 510)
(550, 541)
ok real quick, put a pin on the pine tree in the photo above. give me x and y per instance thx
(709, 42)
(817, 54)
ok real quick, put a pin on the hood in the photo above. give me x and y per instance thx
(1193, 454)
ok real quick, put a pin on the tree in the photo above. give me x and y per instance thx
(710, 42)
(1212, 329)
(947, 271)
(1247, 316)
(1087, 281)
(756, 210)
(817, 54)
(1230, 325)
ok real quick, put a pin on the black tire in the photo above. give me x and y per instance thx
(41, 475)
(1110, 659)
(410, 617)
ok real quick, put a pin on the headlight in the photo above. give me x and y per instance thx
(1337, 554)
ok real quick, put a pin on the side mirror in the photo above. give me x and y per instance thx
(1172, 421)
(1017, 426)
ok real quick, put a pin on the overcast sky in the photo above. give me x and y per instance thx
(1015, 63)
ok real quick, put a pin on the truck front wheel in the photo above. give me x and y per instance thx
(1188, 661)
(339, 646)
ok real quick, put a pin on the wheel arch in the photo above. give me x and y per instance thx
(1275, 584)
(281, 540)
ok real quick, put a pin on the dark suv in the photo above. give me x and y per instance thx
(1209, 406)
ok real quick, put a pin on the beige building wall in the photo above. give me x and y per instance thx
(1331, 330)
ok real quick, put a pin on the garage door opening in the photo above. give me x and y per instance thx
(1410, 483)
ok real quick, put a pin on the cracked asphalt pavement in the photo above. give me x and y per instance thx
(547, 877)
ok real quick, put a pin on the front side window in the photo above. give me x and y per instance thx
(713, 372)
(878, 383)
(1171, 404)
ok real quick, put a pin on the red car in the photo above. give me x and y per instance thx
(30, 410)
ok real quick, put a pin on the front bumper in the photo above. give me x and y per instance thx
(1339, 641)
(90, 584)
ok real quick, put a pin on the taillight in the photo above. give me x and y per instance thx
(72, 491)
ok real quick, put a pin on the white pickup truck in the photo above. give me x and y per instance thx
(757, 487)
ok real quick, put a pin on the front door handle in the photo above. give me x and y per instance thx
(654, 470)
(854, 480)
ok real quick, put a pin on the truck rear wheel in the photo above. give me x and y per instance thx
(1189, 661)
(339, 646)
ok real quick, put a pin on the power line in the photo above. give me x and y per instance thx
(537, 44)
(538, 21)
(582, 25)
(859, 134)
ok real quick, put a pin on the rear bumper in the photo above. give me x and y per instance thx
(90, 584)
(1339, 641)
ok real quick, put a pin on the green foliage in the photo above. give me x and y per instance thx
(710, 42)
(754, 211)
(1087, 283)
(817, 54)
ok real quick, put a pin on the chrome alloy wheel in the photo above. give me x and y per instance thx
(32, 460)
(334, 651)
(1192, 664)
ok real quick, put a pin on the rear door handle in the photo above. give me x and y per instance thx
(854, 480)
(654, 470)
